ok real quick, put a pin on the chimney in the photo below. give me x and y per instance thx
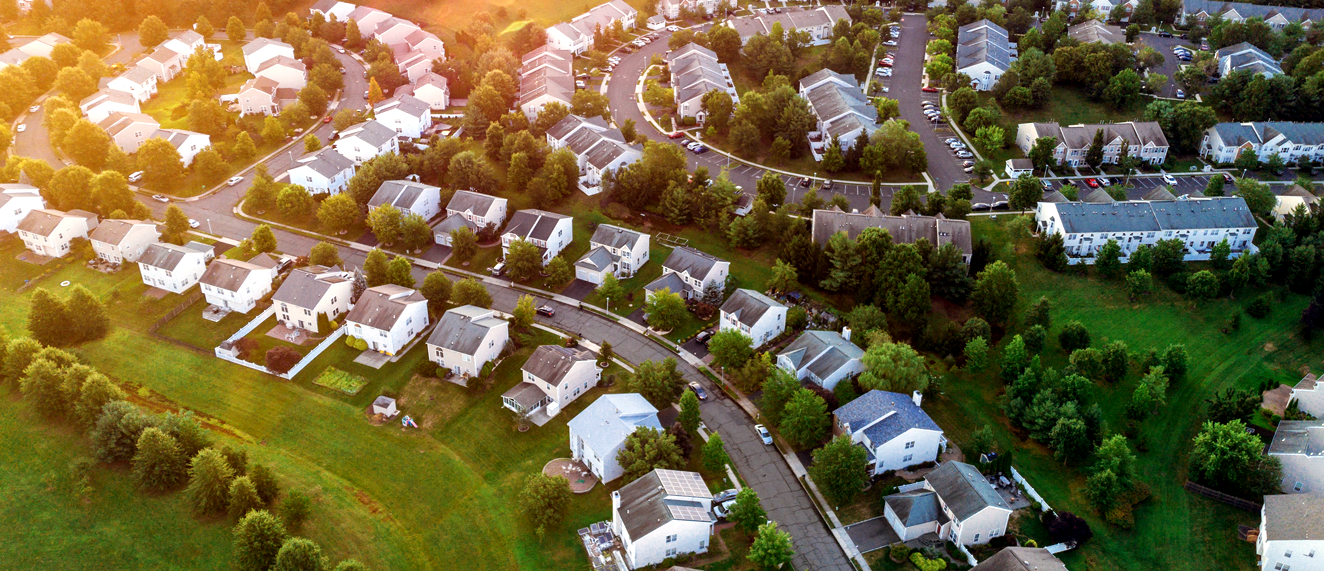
(845, 333)
(917, 397)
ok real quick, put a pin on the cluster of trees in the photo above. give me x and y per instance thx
(79, 318)
(774, 117)
(853, 45)
(1295, 95)
(985, 121)
(379, 271)
(77, 187)
(390, 226)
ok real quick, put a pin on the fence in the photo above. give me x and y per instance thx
(1029, 490)
(173, 313)
(246, 329)
(1218, 496)
(337, 334)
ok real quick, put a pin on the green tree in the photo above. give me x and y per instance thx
(1073, 336)
(375, 267)
(159, 463)
(243, 497)
(523, 260)
(299, 554)
(257, 541)
(385, 223)
(464, 244)
(996, 293)
(469, 291)
(730, 348)
(208, 489)
(263, 239)
(747, 513)
(660, 383)
(894, 367)
(400, 272)
(234, 29)
(96, 391)
(437, 289)
(1229, 457)
(689, 412)
(152, 31)
(545, 499)
(1015, 358)
(1259, 199)
(163, 169)
(1026, 192)
(840, 470)
(559, 271)
(244, 149)
(913, 301)
(1108, 260)
(48, 319)
(338, 214)
(610, 289)
(1115, 361)
(976, 355)
(771, 548)
(664, 310)
(295, 509)
(264, 483)
(647, 449)
(804, 420)
(784, 277)
(324, 254)
(714, 454)
(1202, 285)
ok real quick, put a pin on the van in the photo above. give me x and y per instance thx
(499, 269)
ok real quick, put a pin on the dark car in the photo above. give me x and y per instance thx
(827, 185)
(703, 337)
(804, 182)
(545, 311)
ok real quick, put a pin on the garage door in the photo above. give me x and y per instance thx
(588, 275)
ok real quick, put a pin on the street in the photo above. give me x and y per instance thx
(1170, 62)
(904, 86)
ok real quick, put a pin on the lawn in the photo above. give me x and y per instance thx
(189, 327)
(482, 261)
(339, 380)
(1069, 106)
(258, 356)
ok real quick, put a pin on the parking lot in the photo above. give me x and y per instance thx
(905, 87)
(1143, 184)
(1170, 62)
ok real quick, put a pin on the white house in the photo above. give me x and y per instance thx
(101, 104)
(549, 231)
(598, 433)
(408, 196)
(311, 292)
(466, 339)
(237, 285)
(694, 72)
(1144, 140)
(546, 76)
(689, 273)
(413, 64)
(954, 502)
(892, 428)
(129, 130)
(670, 9)
(479, 209)
(387, 317)
(577, 35)
(823, 357)
(612, 250)
(841, 109)
(174, 268)
(119, 241)
(1296, 197)
(1299, 446)
(188, 143)
(663, 514)
(1224, 142)
(430, 88)
(262, 50)
(48, 232)
(44, 45)
(138, 81)
(16, 201)
(1289, 538)
(368, 19)
(816, 22)
(1094, 31)
(164, 63)
(1021, 559)
(1016, 168)
(365, 141)
(552, 378)
(333, 9)
(758, 316)
(1200, 223)
(407, 115)
(263, 96)
(324, 171)
(285, 71)
(186, 42)
(1277, 17)
(906, 229)
(597, 146)
(982, 53)
(1246, 57)
(1308, 396)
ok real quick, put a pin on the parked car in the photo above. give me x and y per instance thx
(724, 495)
(890, 43)
(967, 163)
(193, 223)
(1181, 94)
(1048, 184)
(968, 169)
(827, 185)
(1169, 179)
(545, 311)
(22, 127)
(499, 269)
(234, 180)
(698, 391)
(719, 512)
(34, 108)
(1228, 178)
(1092, 183)
(1105, 182)
(135, 176)
(160, 198)
(929, 89)
(704, 337)
(804, 182)
(700, 150)
(963, 154)
(763, 433)
(675, 135)
(979, 206)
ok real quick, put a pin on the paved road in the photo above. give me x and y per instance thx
(1170, 62)
(904, 86)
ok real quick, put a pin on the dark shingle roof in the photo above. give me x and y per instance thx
(916, 507)
(904, 229)
(401, 194)
(649, 503)
(43, 221)
(534, 224)
(551, 363)
(114, 231)
(305, 287)
(1299, 437)
(166, 256)
(1021, 559)
(1294, 517)
(687, 259)
(327, 162)
(748, 306)
(380, 307)
(228, 274)
(963, 489)
(615, 236)
(1220, 212)
(897, 411)
(462, 329)
(470, 201)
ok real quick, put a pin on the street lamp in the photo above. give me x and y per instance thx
(209, 227)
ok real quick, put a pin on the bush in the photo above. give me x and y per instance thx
(899, 552)
(1259, 307)
(280, 359)
(245, 347)
(926, 564)
(294, 510)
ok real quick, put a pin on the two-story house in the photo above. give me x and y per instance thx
(366, 140)
(262, 50)
(546, 75)
(549, 231)
(689, 273)
(101, 104)
(1200, 223)
(939, 231)
(137, 81)
(285, 71)
(842, 111)
(129, 130)
(695, 71)
(472, 210)
(597, 147)
(670, 9)
(430, 88)
(16, 201)
(1143, 140)
(954, 502)
(1276, 17)
(409, 197)
(1289, 538)
(552, 378)
(612, 250)
(237, 285)
(892, 428)
(407, 115)
(311, 294)
(1245, 56)
(387, 317)
(663, 514)
(983, 53)
(466, 339)
(333, 9)
(49, 232)
(174, 268)
(1299, 447)
(1021, 559)
(165, 63)
(576, 36)
(822, 357)
(187, 143)
(1224, 142)
(758, 316)
(120, 241)
(816, 23)
(324, 171)
(263, 96)
(598, 433)
(1308, 396)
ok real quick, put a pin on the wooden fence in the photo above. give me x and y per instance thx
(1218, 496)
(183, 305)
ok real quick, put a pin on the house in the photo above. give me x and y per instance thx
(366, 140)
(1246, 57)
(138, 81)
(164, 63)
(690, 273)
(414, 43)
(285, 71)
(1224, 142)
(1144, 140)
(1289, 201)
(393, 31)
(187, 42)
(597, 146)
(907, 229)
(546, 76)
(49, 232)
(954, 502)
(310, 293)
(479, 209)
(1016, 168)
(758, 316)
(384, 406)
(612, 250)
(983, 53)
(129, 130)
(368, 20)
(324, 171)
(656, 23)
(892, 428)
(466, 339)
(671, 9)
(414, 64)
(16, 201)
(552, 378)
(262, 50)
(1277, 17)
(598, 433)
(816, 22)
(842, 111)
(1021, 559)
(430, 88)
(1308, 396)
(823, 357)
(549, 231)
(1289, 538)
(237, 285)
(102, 103)
(174, 268)
(1198, 223)
(333, 9)
(663, 514)
(263, 96)
(188, 143)
(387, 317)
(407, 115)
(1094, 31)
(1101, 7)
(120, 241)
(1299, 446)
(694, 72)
(409, 197)
(43, 46)
(576, 36)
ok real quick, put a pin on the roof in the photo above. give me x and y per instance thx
(908, 229)
(616, 237)
(401, 194)
(462, 329)
(163, 55)
(11, 191)
(383, 401)
(659, 497)
(177, 137)
(370, 132)
(526, 394)
(1218, 7)
(605, 423)
(1091, 31)
(1257, 133)
(1141, 216)
(1159, 193)
(571, 123)
(1307, 383)
(305, 287)
(252, 47)
(407, 104)
(108, 96)
(824, 351)
(1098, 196)
(546, 71)
(534, 224)
(1298, 437)
(280, 61)
(749, 306)
(453, 222)
(916, 507)
(138, 74)
(114, 231)
(791, 19)
(1021, 559)
(118, 121)
(327, 162)
(963, 489)
(228, 274)
(884, 415)
(166, 256)
(982, 42)
(551, 363)
(1137, 134)
(435, 80)
(43, 221)
(597, 259)
(669, 281)
(1246, 55)
(1055, 196)
(470, 201)
(1293, 517)
(380, 307)
(686, 259)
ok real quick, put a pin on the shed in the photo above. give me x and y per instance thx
(384, 405)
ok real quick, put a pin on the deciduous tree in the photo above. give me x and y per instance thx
(840, 470)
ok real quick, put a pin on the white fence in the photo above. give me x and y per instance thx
(909, 487)
(335, 335)
(1029, 490)
(262, 317)
(246, 329)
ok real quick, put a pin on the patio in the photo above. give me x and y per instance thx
(370, 358)
(291, 335)
(580, 478)
(33, 258)
(215, 313)
(1010, 492)
(604, 552)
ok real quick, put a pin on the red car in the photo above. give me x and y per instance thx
(326, 119)
(1227, 178)
(675, 135)
(1093, 183)
(886, 64)
(929, 89)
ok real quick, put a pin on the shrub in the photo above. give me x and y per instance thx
(926, 564)
(280, 359)
(899, 552)
(245, 347)
(294, 510)
(1259, 307)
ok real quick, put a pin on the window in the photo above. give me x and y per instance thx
(671, 552)
(1311, 554)
(907, 457)
(671, 538)
(976, 538)
(1297, 487)
(1287, 554)
(910, 445)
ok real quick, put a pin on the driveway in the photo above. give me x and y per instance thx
(872, 534)
(1170, 62)
(904, 86)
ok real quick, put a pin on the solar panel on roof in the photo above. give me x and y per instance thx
(679, 483)
(688, 512)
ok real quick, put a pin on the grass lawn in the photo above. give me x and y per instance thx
(1069, 106)
(307, 223)
(482, 261)
(266, 342)
(189, 327)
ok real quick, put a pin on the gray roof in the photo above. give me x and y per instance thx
(462, 329)
(1021, 559)
(380, 307)
(605, 423)
(826, 351)
(964, 490)
(649, 502)
(1137, 134)
(255, 45)
(43, 221)
(982, 41)
(916, 507)
(305, 287)
(1246, 55)
(904, 229)
(409, 104)
(281, 61)
(114, 231)
(1055, 196)
(1139, 216)
(1300, 133)
(1098, 196)
(469, 201)
(228, 274)
(551, 363)
(526, 394)
(166, 256)
(1159, 193)
(897, 411)
(597, 259)
(615, 236)
(11, 191)
(1217, 7)
(1293, 517)
(108, 96)
(572, 123)
(748, 306)
(1091, 31)
(534, 224)
(687, 259)
(327, 162)
(370, 132)
(383, 401)
(833, 102)
(453, 222)
(401, 194)
(1299, 437)
(669, 281)
(791, 19)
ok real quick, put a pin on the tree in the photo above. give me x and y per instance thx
(314, 98)
(840, 470)
(75, 83)
(152, 31)
(730, 348)
(257, 541)
(784, 277)
(400, 272)
(689, 412)
(913, 301)
(96, 391)
(43, 388)
(87, 144)
(894, 367)
(244, 149)
(324, 254)
(1108, 260)
(1025, 193)
(647, 449)
(163, 169)
(273, 129)
(470, 291)
(48, 319)
(771, 548)
(234, 29)
(338, 214)
(385, 223)
(523, 260)
(976, 355)
(996, 293)
(714, 454)
(243, 497)
(659, 383)
(436, 289)
(375, 266)
(1232, 404)
(545, 499)
(1139, 283)
(1102, 489)
(1259, 199)
(1228, 457)
(1202, 285)
(264, 483)
(664, 310)
(747, 513)
(464, 244)
(1123, 89)
(804, 420)
(299, 554)
(208, 489)
(263, 239)
(159, 464)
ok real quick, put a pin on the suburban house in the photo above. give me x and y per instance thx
(466, 339)
(576, 36)
(842, 111)
(366, 140)
(237, 285)
(1200, 223)
(892, 428)
(552, 377)
(102, 103)
(694, 72)
(333, 9)
(187, 42)
(408, 196)
(1144, 140)
(1308, 396)
(137, 81)
(129, 130)
(387, 317)
(407, 115)
(324, 171)
(174, 268)
(1277, 17)
(983, 53)
(597, 146)
(119, 241)
(670, 9)
(546, 75)
(1021, 559)
(413, 64)
(310, 293)
(1289, 538)
(612, 250)
(16, 201)
(1295, 197)
(549, 231)
(598, 433)
(663, 514)
(188, 143)
(48, 232)
(41, 46)
(430, 88)
(1246, 57)
(1299, 445)
(368, 19)
(758, 316)
(263, 96)
(905, 229)
(1094, 31)
(817, 22)
(285, 71)
(1224, 142)
(954, 502)
(824, 357)
(1016, 168)
(479, 209)
(689, 273)
(262, 50)
(164, 63)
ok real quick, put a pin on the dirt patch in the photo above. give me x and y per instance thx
(366, 500)
(1269, 348)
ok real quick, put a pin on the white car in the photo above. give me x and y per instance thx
(673, 28)
(763, 433)
(193, 223)
(22, 127)
(34, 108)
(136, 176)
(1169, 179)
(234, 180)
(890, 43)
